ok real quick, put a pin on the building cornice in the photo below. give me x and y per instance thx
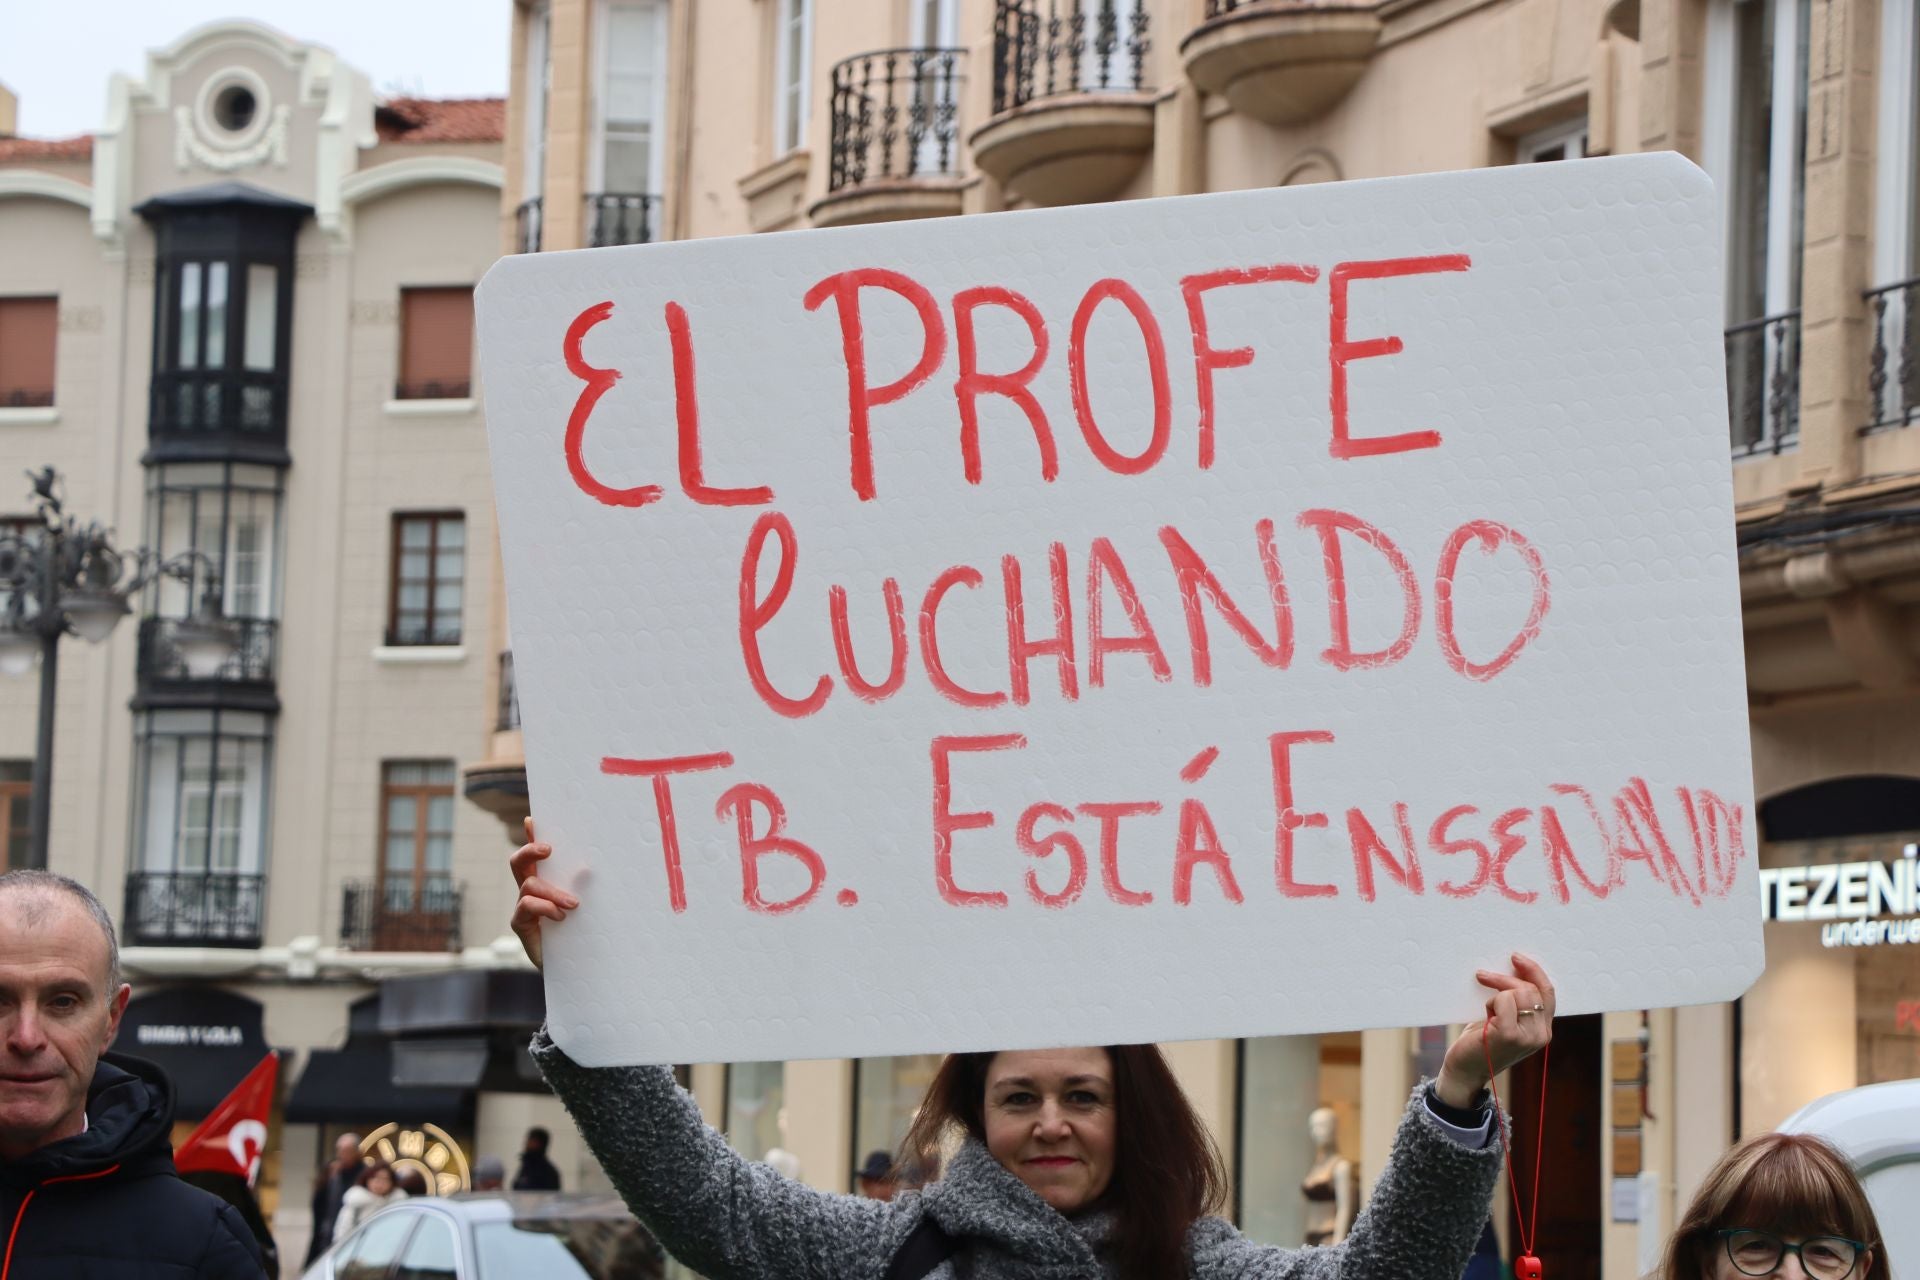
(47, 186)
(419, 171)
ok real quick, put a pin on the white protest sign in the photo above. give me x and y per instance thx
(1229, 615)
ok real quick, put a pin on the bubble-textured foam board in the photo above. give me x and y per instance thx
(1471, 683)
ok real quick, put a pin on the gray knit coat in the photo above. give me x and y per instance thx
(731, 1219)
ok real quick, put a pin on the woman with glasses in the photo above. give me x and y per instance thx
(1778, 1204)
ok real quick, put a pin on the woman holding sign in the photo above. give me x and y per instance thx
(1074, 1163)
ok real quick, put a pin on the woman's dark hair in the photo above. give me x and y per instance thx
(1794, 1184)
(1167, 1173)
(374, 1169)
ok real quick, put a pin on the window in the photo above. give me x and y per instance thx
(230, 513)
(429, 559)
(27, 327)
(1283, 1081)
(416, 839)
(791, 49)
(217, 346)
(632, 97)
(429, 1254)
(756, 1101)
(16, 796)
(436, 344)
(886, 1096)
(1561, 142)
(205, 795)
(538, 84)
(373, 1250)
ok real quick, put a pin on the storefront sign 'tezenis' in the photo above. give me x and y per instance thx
(1851, 895)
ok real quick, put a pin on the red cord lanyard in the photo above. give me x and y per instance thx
(1526, 1266)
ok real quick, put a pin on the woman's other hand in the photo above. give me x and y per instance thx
(1519, 1023)
(541, 899)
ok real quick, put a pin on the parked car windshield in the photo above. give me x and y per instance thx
(567, 1249)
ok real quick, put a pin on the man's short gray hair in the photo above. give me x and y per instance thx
(39, 886)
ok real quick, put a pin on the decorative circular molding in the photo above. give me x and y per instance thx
(1311, 166)
(206, 120)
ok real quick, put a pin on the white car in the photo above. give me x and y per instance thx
(498, 1236)
(1878, 1126)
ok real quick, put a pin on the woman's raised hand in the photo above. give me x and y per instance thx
(1519, 1023)
(540, 899)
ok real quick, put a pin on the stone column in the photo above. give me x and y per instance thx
(569, 125)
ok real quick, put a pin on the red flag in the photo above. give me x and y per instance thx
(232, 1137)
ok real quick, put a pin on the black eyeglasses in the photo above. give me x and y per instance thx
(1759, 1253)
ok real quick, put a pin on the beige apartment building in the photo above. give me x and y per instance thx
(632, 120)
(237, 319)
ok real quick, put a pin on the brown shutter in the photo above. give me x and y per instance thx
(436, 343)
(27, 328)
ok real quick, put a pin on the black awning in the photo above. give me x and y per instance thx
(205, 1038)
(355, 1085)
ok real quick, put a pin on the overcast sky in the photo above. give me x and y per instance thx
(57, 56)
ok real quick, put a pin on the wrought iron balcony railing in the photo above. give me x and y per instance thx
(896, 114)
(1763, 384)
(509, 695)
(526, 226)
(159, 661)
(27, 398)
(400, 912)
(1047, 47)
(1893, 366)
(210, 413)
(616, 218)
(193, 909)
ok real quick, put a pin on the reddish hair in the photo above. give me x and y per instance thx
(1792, 1184)
(1167, 1173)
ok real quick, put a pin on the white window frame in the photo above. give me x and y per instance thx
(1722, 85)
(603, 70)
(1896, 225)
(948, 23)
(1571, 134)
(788, 122)
(538, 81)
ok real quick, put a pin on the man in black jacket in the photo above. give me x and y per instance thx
(87, 1184)
(536, 1172)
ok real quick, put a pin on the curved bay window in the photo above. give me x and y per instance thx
(229, 514)
(223, 312)
(201, 793)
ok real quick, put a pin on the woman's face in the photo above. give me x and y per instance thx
(1050, 1121)
(1791, 1266)
(380, 1183)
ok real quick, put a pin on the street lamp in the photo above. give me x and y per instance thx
(64, 576)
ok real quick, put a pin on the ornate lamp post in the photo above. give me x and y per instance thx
(65, 576)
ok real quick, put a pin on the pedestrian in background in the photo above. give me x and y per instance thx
(875, 1177)
(489, 1174)
(536, 1173)
(330, 1188)
(377, 1188)
(1775, 1196)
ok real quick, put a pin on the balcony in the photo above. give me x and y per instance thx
(526, 226)
(1283, 62)
(1763, 384)
(509, 719)
(407, 914)
(245, 680)
(202, 415)
(1072, 120)
(614, 218)
(193, 909)
(1893, 366)
(896, 144)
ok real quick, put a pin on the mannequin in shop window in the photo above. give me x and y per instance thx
(1331, 1186)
